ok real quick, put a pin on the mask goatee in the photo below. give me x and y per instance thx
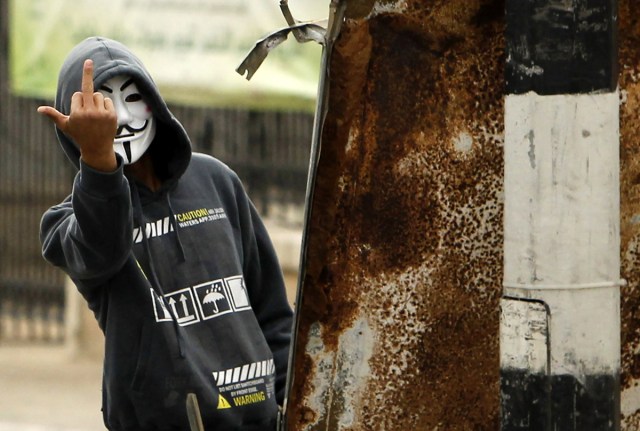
(127, 150)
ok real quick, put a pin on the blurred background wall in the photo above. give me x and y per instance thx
(267, 145)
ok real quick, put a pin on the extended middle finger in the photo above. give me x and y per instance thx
(87, 81)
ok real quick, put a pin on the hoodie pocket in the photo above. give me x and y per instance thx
(142, 362)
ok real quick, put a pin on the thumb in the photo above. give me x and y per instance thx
(58, 118)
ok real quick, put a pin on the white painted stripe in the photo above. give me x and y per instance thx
(157, 228)
(228, 378)
(236, 375)
(576, 286)
(245, 370)
(561, 189)
(137, 235)
(221, 378)
(244, 373)
(561, 222)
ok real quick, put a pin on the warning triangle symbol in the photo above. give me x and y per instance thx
(223, 403)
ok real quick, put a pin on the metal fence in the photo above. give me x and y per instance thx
(269, 151)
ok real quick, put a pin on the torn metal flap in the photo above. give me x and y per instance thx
(305, 32)
(292, 22)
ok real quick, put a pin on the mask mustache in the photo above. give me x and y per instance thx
(130, 129)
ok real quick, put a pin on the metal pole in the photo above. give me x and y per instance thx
(560, 320)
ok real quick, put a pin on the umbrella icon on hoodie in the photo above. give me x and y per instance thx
(212, 297)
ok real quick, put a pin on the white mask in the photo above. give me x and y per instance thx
(136, 125)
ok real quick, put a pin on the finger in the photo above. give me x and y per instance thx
(87, 81)
(58, 118)
(108, 105)
(98, 99)
(77, 101)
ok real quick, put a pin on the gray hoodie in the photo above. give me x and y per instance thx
(184, 281)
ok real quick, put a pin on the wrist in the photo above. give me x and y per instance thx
(100, 184)
(104, 161)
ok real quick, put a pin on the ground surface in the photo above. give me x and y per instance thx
(46, 389)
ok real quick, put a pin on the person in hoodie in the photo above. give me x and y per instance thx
(169, 253)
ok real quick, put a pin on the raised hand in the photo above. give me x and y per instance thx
(92, 123)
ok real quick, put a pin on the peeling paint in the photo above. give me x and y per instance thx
(532, 149)
(397, 7)
(463, 142)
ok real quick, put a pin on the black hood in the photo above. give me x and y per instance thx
(111, 58)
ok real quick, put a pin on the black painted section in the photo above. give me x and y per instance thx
(537, 402)
(561, 46)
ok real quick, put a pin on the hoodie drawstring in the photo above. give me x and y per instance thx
(153, 277)
(174, 223)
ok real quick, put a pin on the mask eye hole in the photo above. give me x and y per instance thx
(135, 97)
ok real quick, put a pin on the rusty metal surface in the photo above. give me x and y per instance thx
(629, 37)
(399, 315)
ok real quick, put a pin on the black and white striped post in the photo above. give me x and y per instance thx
(560, 317)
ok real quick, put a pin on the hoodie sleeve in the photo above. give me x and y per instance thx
(265, 283)
(89, 235)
